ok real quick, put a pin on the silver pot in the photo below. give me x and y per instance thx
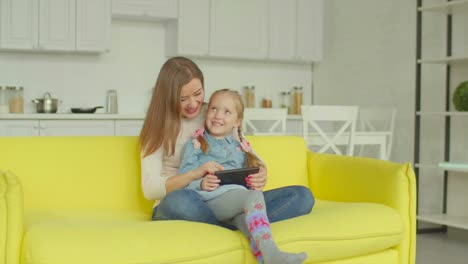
(47, 104)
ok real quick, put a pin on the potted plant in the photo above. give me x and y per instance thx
(460, 97)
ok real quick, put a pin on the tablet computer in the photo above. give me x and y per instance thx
(235, 176)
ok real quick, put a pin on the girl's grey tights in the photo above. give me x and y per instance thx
(245, 209)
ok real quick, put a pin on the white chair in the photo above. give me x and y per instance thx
(265, 121)
(374, 122)
(323, 119)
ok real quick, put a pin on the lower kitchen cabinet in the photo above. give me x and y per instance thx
(76, 127)
(12, 128)
(128, 127)
(19, 128)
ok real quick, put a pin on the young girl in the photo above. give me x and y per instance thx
(221, 141)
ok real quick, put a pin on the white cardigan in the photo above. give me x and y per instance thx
(154, 176)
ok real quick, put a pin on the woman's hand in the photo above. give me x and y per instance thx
(208, 168)
(258, 180)
(210, 183)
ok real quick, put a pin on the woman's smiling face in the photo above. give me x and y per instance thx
(191, 98)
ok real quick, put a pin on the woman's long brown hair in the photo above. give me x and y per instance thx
(251, 159)
(163, 119)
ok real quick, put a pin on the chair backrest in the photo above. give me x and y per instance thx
(323, 121)
(378, 119)
(265, 121)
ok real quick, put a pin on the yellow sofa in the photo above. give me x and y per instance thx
(77, 200)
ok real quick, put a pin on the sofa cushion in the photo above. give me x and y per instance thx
(354, 228)
(96, 238)
(336, 230)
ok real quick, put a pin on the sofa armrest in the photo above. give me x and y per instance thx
(357, 179)
(11, 218)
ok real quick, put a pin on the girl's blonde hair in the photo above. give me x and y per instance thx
(163, 119)
(251, 159)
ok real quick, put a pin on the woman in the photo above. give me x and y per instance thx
(176, 110)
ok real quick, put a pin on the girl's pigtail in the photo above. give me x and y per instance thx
(251, 159)
(199, 141)
(203, 143)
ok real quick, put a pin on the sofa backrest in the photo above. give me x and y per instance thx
(285, 157)
(62, 173)
(67, 173)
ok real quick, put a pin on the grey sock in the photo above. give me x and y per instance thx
(259, 227)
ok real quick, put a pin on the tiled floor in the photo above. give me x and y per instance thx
(440, 248)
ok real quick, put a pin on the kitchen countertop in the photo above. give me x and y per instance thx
(97, 116)
(70, 116)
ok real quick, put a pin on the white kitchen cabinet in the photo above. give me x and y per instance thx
(56, 128)
(283, 23)
(55, 25)
(18, 24)
(275, 30)
(189, 35)
(128, 127)
(57, 20)
(145, 9)
(19, 128)
(239, 29)
(93, 25)
(310, 29)
(295, 30)
(76, 127)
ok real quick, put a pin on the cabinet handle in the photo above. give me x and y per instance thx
(41, 126)
(35, 127)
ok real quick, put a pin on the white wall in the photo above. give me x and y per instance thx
(369, 53)
(131, 67)
(369, 59)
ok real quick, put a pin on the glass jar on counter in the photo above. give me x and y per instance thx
(16, 100)
(285, 100)
(267, 102)
(112, 102)
(4, 103)
(249, 96)
(297, 100)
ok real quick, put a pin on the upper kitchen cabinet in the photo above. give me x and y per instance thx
(219, 28)
(247, 29)
(145, 9)
(18, 24)
(295, 30)
(189, 35)
(310, 17)
(283, 23)
(93, 25)
(55, 25)
(239, 29)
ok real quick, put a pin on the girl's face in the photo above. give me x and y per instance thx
(222, 115)
(191, 98)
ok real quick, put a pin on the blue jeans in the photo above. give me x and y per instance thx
(282, 203)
